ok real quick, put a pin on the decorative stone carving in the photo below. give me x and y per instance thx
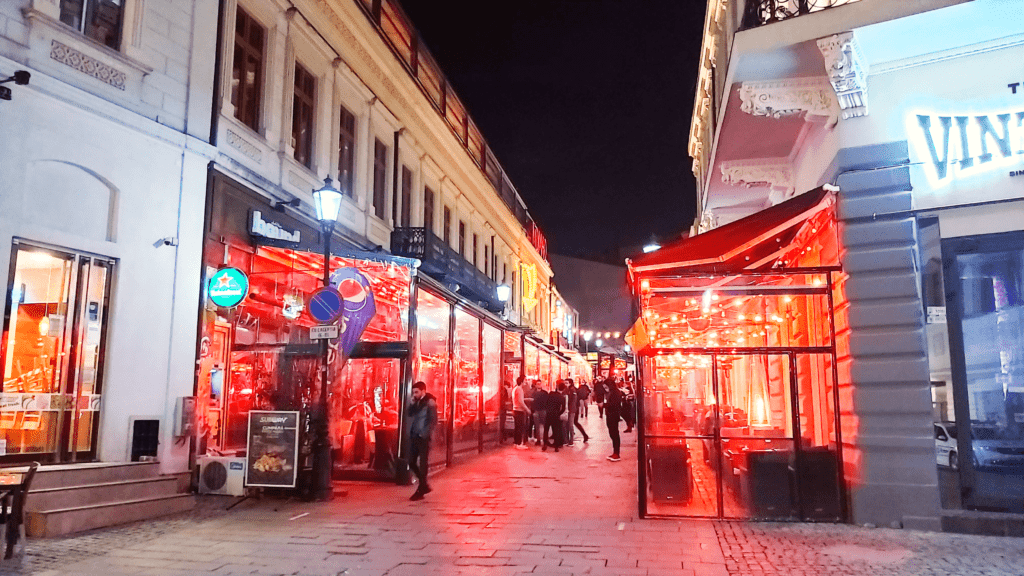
(244, 146)
(708, 221)
(847, 71)
(775, 173)
(781, 98)
(87, 65)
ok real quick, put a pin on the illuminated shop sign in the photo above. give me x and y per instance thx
(956, 147)
(261, 227)
(228, 287)
(529, 284)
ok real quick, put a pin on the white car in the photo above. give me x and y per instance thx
(945, 444)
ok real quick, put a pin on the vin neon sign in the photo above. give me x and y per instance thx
(955, 147)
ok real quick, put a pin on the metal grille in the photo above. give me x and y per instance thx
(760, 12)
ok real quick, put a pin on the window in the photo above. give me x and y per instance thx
(406, 197)
(462, 238)
(487, 261)
(247, 70)
(99, 20)
(504, 273)
(346, 151)
(303, 108)
(447, 226)
(380, 176)
(428, 209)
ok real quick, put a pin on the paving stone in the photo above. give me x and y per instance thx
(505, 513)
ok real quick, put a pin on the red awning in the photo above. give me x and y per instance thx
(751, 243)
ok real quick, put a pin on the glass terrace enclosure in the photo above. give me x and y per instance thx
(738, 373)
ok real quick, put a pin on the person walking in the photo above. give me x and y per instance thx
(540, 408)
(520, 413)
(628, 406)
(600, 391)
(583, 393)
(423, 418)
(553, 418)
(613, 413)
(574, 421)
(572, 408)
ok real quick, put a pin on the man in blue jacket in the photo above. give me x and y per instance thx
(422, 414)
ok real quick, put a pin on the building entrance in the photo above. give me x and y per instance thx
(52, 350)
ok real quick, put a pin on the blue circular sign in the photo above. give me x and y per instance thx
(325, 305)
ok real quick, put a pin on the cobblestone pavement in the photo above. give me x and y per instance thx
(508, 512)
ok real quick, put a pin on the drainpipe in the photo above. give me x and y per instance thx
(394, 183)
(217, 62)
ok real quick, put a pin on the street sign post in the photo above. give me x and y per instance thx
(326, 305)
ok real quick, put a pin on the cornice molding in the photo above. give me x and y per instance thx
(847, 71)
(790, 97)
(775, 173)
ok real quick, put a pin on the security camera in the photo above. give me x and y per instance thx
(169, 241)
(21, 77)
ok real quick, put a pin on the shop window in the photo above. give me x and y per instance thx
(406, 220)
(380, 177)
(99, 20)
(494, 394)
(433, 315)
(364, 425)
(303, 114)
(259, 355)
(447, 226)
(428, 209)
(346, 151)
(466, 416)
(247, 69)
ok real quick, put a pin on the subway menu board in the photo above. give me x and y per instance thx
(273, 449)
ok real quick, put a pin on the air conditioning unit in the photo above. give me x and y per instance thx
(222, 475)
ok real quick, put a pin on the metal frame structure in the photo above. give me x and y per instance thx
(792, 352)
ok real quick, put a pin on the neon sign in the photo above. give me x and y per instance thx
(529, 284)
(956, 147)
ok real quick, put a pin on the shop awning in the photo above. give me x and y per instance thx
(751, 243)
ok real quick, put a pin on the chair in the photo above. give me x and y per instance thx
(12, 512)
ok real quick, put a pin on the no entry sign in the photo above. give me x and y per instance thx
(325, 305)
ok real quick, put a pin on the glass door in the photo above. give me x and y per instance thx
(52, 349)
(985, 293)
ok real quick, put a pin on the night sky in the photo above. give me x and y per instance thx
(586, 104)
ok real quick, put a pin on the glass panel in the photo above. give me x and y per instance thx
(35, 344)
(431, 365)
(97, 19)
(96, 276)
(992, 319)
(544, 372)
(754, 393)
(364, 414)
(531, 362)
(492, 382)
(679, 404)
(758, 478)
(739, 312)
(467, 381)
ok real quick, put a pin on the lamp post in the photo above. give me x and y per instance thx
(327, 201)
(586, 340)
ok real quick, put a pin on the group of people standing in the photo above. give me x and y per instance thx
(551, 417)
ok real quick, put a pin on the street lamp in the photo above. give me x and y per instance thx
(327, 201)
(503, 292)
(586, 340)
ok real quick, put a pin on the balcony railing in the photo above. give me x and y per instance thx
(398, 32)
(761, 12)
(446, 265)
